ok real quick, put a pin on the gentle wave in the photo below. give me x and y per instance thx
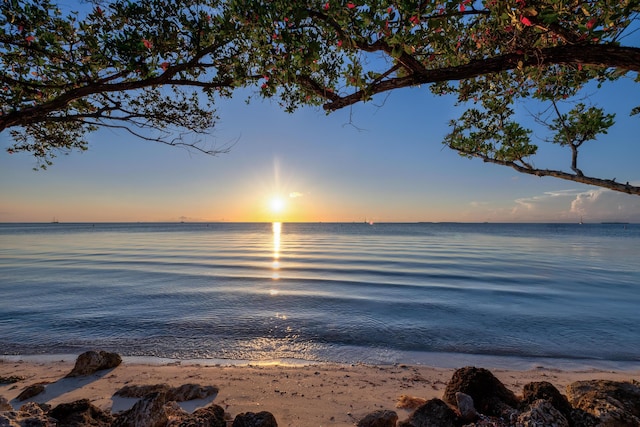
(321, 292)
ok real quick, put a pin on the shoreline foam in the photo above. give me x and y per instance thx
(432, 359)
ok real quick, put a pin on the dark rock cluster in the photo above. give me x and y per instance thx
(474, 397)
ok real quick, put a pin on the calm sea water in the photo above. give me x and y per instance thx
(382, 293)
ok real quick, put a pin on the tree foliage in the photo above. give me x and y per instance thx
(152, 68)
(160, 64)
(491, 54)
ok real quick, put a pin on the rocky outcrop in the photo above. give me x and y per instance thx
(613, 403)
(30, 415)
(211, 416)
(156, 410)
(31, 391)
(151, 411)
(157, 406)
(255, 419)
(533, 392)
(179, 394)
(541, 413)
(91, 362)
(466, 407)
(474, 397)
(380, 418)
(489, 395)
(4, 404)
(191, 392)
(138, 391)
(79, 414)
(433, 413)
(11, 379)
(596, 403)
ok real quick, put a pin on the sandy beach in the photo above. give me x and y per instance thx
(301, 396)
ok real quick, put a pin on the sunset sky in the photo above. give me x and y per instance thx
(381, 161)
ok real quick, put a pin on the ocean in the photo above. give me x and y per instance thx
(441, 294)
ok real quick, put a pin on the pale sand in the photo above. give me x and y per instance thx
(298, 396)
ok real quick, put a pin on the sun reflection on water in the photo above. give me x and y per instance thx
(275, 264)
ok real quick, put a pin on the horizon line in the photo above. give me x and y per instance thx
(315, 222)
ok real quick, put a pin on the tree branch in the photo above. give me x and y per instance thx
(611, 184)
(41, 112)
(570, 138)
(176, 142)
(598, 55)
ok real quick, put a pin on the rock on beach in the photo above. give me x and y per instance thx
(473, 397)
(92, 361)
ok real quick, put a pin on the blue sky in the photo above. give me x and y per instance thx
(380, 161)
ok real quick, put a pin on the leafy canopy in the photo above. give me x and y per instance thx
(490, 54)
(159, 65)
(152, 68)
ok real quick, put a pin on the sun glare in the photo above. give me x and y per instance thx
(277, 205)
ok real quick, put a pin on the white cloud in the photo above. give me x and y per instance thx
(572, 205)
(606, 205)
(295, 194)
(551, 205)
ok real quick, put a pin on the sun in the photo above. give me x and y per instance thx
(276, 205)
